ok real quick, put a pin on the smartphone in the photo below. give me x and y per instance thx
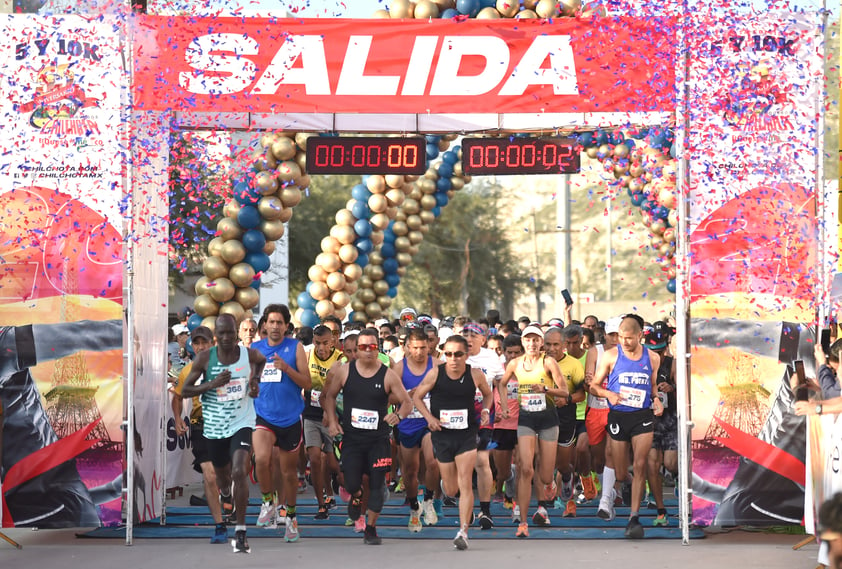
(825, 341)
(568, 300)
(801, 392)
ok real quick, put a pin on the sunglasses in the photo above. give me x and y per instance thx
(408, 317)
(454, 354)
(367, 347)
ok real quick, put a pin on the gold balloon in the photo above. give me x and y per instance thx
(444, 144)
(365, 282)
(620, 170)
(380, 221)
(344, 217)
(324, 308)
(330, 262)
(672, 217)
(569, 8)
(343, 233)
(286, 215)
(414, 222)
(428, 203)
(400, 228)
(530, 4)
(319, 291)
(351, 287)
(669, 234)
(261, 161)
(376, 238)
(427, 217)
(394, 180)
(269, 248)
(413, 250)
(284, 148)
(229, 229)
(375, 272)
(330, 244)
(395, 197)
(366, 295)
(380, 287)
(400, 9)
(426, 9)
(636, 185)
(266, 183)
(375, 258)
(358, 306)
(377, 203)
(401, 272)
(592, 152)
(381, 14)
(270, 207)
(526, 15)
(457, 183)
(242, 275)
(426, 185)
(289, 171)
(214, 267)
(424, 229)
(622, 151)
(205, 306)
(508, 8)
(335, 281)
(268, 139)
(547, 8)
(402, 244)
(415, 237)
(247, 297)
(373, 310)
(215, 247)
(411, 207)
(384, 301)
(403, 259)
(291, 196)
(658, 226)
(301, 160)
(488, 13)
(348, 253)
(415, 193)
(221, 289)
(671, 272)
(272, 229)
(301, 139)
(667, 198)
(316, 274)
(340, 298)
(209, 322)
(232, 252)
(352, 272)
(400, 216)
(376, 184)
(303, 181)
(666, 249)
(201, 286)
(231, 209)
(235, 309)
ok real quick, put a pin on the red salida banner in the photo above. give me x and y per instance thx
(404, 66)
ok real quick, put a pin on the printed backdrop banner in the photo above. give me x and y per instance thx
(61, 272)
(753, 145)
(380, 66)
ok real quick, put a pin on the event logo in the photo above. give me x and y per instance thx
(57, 102)
(757, 100)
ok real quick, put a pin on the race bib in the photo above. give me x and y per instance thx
(533, 402)
(511, 389)
(365, 419)
(416, 414)
(314, 398)
(233, 390)
(454, 418)
(271, 374)
(664, 399)
(632, 397)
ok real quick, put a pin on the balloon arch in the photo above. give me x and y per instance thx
(376, 235)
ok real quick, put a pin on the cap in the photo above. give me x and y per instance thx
(425, 319)
(408, 314)
(444, 334)
(557, 322)
(202, 332)
(179, 329)
(532, 329)
(612, 325)
(380, 322)
(349, 333)
(472, 328)
(658, 336)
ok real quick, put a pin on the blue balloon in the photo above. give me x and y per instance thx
(671, 285)
(450, 157)
(441, 199)
(647, 205)
(601, 137)
(616, 137)
(432, 151)
(392, 280)
(468, 7)
(388, 249)
(445, 171)
(362, 260)
(255, 284)
(254, 240)
(258, 260)
(364, 245)
(449, 13)
(443, 184)
(639, 134)
(488, 3)
(309, 318)
(248, 217)
(637, 199)
(390, 265)
(245, 194)
(660, 212)
(432, 139)
(392, 292)
(586, 139)
(194, 321)
(389, 235)
(361, 210)
(360, 192)
(436, 211)
(305, 301)
(362, 227)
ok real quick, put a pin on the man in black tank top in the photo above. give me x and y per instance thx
(368, 387)
(451, 419)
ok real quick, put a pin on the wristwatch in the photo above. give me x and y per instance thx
(819, 409)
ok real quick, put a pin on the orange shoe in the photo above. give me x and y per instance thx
(522, 530)
(570, 510)
(588, 487)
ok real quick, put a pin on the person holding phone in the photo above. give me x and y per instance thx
(828, 364)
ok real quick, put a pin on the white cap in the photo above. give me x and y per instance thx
(532, 329)
(380, 322)
(178, 329)
(444, 334)
(349, 333)
(612, 325)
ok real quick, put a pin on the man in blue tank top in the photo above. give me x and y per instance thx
(633, 400)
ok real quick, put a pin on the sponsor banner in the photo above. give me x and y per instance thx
(753, 147)
(61, 272)
(381, 66)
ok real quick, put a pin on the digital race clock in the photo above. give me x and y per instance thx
(486, 156)
(366, 155)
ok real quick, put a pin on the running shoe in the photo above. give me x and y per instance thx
(558, 504)
(550, 491)
(359, 525)
(330, 502)
(354, 508)
(240, 543)
(302, 485)
(431, 518)
(663, 520)
(651, 504)
(449, 502)
(522, 530)
(267, 515)
(220, 534)
(485, 521)
(280, 515)
(515, 512)
(508, 503)
(322, 514)
(461, 541)
(227, 505)
(606, 508)
(399, 487)
(344, 495)
(498, 498)
(437, 506)
(634, 530)
(370, 536)
(541, 517)
(291, 532)
(570, 510)
(566, 490)
(414, 520)
(588, 487)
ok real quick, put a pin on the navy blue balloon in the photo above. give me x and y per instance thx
(436, 211)
(601, 137)
(248, 217)
(310, 318)
(254, 240)
(390, 265)
(388, 249)
(362, 227)
(640, 134)
(586, 139)
(362, 260)
(671, 285)
(360, 192)
(432, 151)
(441, 199)
(364, 245)
(450, 157)
(445, 170)
(616, 137)
(432, 139)
(393, 280)
(637, 198)
(258, 260)
(660, 212)
(392, 292)
(647, 205)
(194, 321)
(361, 210)
(389, 235)
(443, 184)
(449, 13)
(255, 284)
(305, 301)
(245, 194)
(488, 4)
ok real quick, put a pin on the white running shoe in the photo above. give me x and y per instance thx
(429, 513)
(267, 515)
(414, 520)
(606, 506)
